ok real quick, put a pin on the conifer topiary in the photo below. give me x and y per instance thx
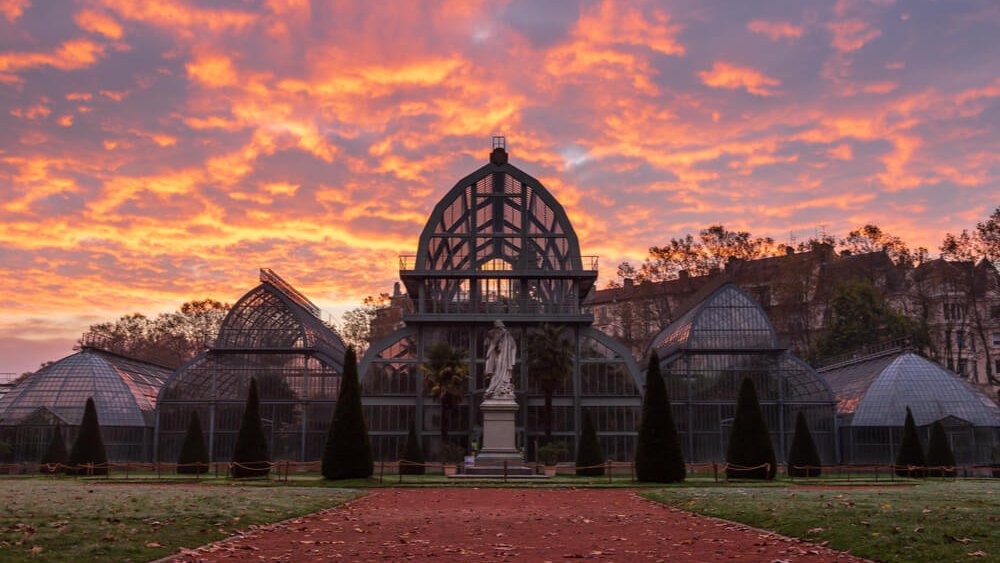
(413, 453)
(348, 451)
(55, 454)
(193, 459)
(250, 456)
(940, 458)
(589, 456)
(910, 460)
(803, 459)
(658, 456)
(88, 457)
(749, 441)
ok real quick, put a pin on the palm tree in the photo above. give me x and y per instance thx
(550, 362)
(445, 375)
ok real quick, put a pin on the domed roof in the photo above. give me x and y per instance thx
(124, 390)
(877, 391)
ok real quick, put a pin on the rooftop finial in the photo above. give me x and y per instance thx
(499, 154)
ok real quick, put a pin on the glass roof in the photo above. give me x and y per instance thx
(498, 215)
(728, 319)
(268, 318)
(878, 390)
(124, 390)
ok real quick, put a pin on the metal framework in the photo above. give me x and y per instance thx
(124, 392)
(873, 393)
(498, 245)
(706, 354)
(271, 334)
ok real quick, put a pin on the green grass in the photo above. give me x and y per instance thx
(73, 520)
(929, 521)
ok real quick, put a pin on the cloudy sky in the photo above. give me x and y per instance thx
(154, 152)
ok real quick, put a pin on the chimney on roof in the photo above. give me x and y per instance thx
(789, 250)
(628, 282)
(499, 155)
(683, 274)
(395, 290)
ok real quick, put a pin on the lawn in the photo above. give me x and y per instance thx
(72, 520)
(929, 521)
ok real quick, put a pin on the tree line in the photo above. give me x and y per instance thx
(714, 246)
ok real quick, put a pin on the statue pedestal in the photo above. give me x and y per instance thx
(499, 442)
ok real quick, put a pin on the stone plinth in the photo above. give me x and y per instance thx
(499, 443)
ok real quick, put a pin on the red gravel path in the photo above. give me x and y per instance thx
(510, 525)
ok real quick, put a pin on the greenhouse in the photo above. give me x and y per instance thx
(499, 246)
(124, 392)
(873, 393)
(705, 354)
(273, 334)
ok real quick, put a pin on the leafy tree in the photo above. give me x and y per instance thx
(446, 374)
(250, 455)
(355, 324)
(170, 339)
(550, 363)
(981, 243)
(413, 453)
(589, 455)
(939, 454)
(911, 453)
(88, 449)
(658, 456)
(348, 451)
(55, 453)
(749, 440)
(859, 316)
(193, 459)
(803, 459)
(871, 238)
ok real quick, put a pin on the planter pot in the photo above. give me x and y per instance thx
(550, 470)
(450, 469)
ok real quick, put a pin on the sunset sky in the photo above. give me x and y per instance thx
(154, 152)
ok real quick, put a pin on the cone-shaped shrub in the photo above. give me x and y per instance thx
(413, 454)
(939, 454)
(749, 441)
(589, 456)
(910, 457)
(54, 454)
(250, 457)
(88, 449)
(803, 459)
(658, 456)
(193, 459)
(348, 452)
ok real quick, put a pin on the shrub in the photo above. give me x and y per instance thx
(193, 459)
(658, 456)
(939, 454)
(589, 456)
(88, 449)
(452, 453)
(348, 451)
(910, 457)
(55, 453)
(413, 453)
(803, 459)
(749, 441)
(553, 452)
(250, 456)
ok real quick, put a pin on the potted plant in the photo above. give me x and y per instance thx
(451, 456)
(550, 454)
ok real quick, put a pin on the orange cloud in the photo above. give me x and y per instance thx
(97, 22)
(851, 35)
(71, 55)
(733, 77)
(775, 30)
(12, 9)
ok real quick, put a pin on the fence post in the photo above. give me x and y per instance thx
(632, 467)
(381, 471)
(607, 465)
(505, 471)
(715, 471)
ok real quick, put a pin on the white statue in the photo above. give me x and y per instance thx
(500, 352)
